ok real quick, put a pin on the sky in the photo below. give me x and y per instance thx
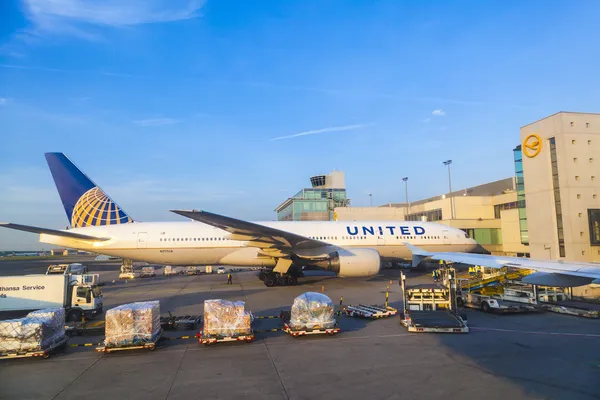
(230, 106)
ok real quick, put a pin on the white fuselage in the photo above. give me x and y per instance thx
(195, 243)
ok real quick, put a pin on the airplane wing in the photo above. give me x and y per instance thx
(272, 241)
(547, 272)
(53, 232)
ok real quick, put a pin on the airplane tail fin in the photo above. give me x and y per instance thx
(85, 203)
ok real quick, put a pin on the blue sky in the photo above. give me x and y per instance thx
(177, 103)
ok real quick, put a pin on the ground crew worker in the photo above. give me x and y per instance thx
(471, 271)
(434, 274)
(229, 279)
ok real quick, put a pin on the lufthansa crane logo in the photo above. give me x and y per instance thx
(96, 208)
(532, 145)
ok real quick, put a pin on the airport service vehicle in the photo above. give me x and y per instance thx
(171, 271)
(192, 270)
(127, 272)
(220, 270)
(147, 272)
(208, 269)
(431, 308)
(78, 294)
(508, 299)
(74, 268)
(349, 249)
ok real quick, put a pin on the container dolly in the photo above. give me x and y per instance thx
(43, 353)
(137, 345)
(207, 340)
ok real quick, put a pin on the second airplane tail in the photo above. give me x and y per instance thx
(84, 202)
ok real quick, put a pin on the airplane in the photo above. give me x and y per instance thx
(349, 249)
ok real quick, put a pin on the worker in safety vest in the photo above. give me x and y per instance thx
(471, 271)
(229, 279)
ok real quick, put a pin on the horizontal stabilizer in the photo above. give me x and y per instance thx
(53, 232)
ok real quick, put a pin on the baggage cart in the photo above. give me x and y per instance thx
(370, 311)
(44, 353)
(294, 332)
(211, 339)
(136, 345)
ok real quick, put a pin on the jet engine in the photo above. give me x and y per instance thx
(354, 263)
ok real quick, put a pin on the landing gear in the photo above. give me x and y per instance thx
(262, 275)
(274, 279)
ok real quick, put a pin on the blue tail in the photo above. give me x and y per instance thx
(85, 203)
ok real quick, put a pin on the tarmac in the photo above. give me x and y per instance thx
(526, 356)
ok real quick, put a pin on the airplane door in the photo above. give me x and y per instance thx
(142, 240)
(446, 236)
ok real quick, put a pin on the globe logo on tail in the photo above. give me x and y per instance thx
(95, 208)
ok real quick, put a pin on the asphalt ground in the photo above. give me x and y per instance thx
(529, 356)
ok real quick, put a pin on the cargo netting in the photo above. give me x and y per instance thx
(226, 318)
(39, 330)
(312, 311)
(132, 324)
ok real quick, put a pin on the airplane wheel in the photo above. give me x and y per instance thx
(262, 275)
(269, 281)
(292, 280)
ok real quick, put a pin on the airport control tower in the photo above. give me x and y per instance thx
(316, 203)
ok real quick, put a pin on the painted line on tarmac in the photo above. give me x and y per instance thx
(476, 329)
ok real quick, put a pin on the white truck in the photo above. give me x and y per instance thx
(79, 295)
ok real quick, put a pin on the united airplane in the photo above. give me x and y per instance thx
(349, 249)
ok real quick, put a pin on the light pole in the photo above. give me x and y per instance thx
(453, 208)
(371, 199)
(407, 207)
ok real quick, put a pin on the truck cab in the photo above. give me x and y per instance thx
(86, 298)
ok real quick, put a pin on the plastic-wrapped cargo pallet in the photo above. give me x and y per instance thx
(39, 330)
(133, 323)
(312, 310)
(226, 318)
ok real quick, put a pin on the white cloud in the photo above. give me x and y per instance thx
(323, 130)
(73, 17)
(155, 121)
(438, 113)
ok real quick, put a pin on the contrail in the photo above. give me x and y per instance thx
(323, 130)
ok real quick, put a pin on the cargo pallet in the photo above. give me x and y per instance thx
(150, 345)
(370, 311)
(286, 316)
(211, 339)
(44, 353)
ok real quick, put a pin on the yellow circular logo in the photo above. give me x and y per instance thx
(532, 145)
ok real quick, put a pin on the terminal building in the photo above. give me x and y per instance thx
(318, 202)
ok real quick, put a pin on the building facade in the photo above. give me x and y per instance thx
(316, 203)
(561, 163)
